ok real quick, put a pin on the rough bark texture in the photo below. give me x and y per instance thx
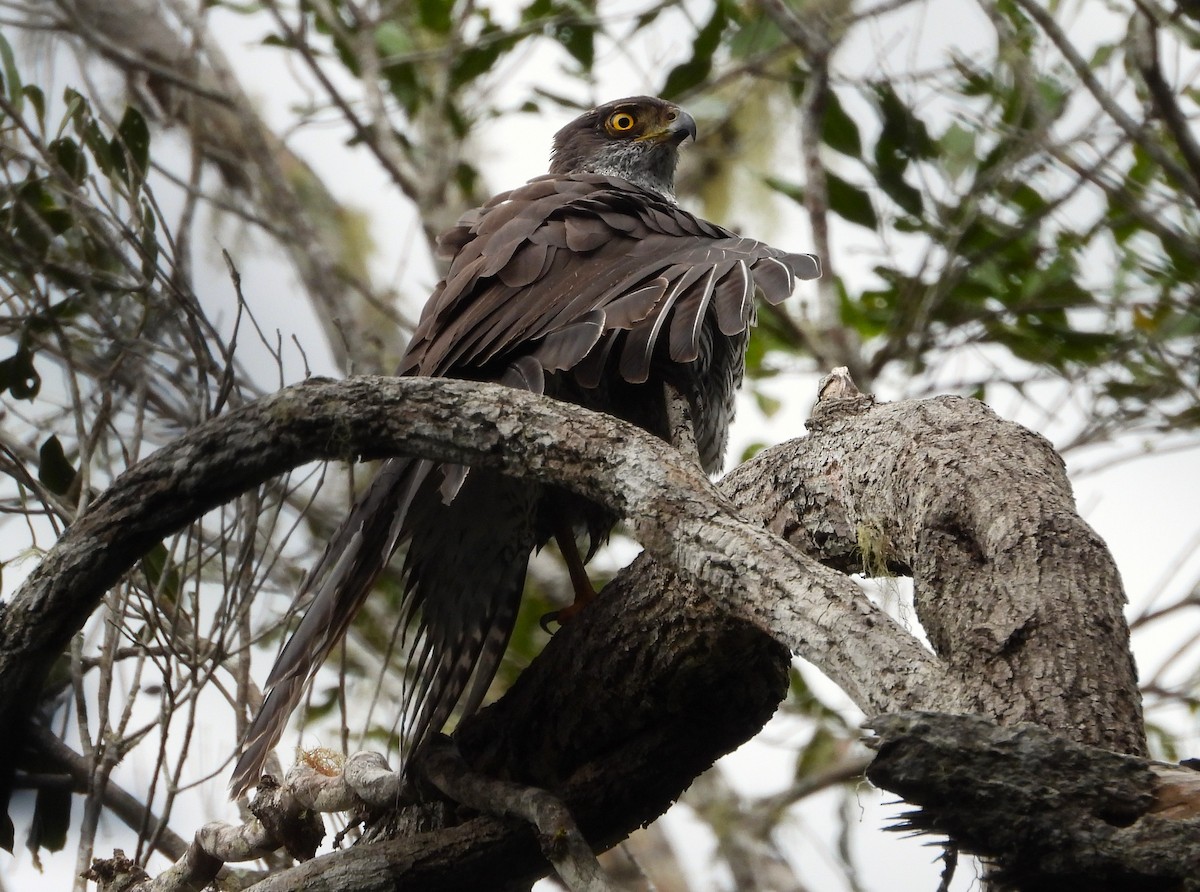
(1018, 595)
(672, 509)
(654, 681)
(1052, 814)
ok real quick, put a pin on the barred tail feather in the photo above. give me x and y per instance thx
(466, 570)
(342, 579)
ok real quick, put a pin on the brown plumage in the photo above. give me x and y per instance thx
(590, 285)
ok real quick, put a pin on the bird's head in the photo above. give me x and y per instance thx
(636, 139)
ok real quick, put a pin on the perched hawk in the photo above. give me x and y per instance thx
(589, 285)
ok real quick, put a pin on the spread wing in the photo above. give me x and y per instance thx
(567, 267)
(581, 275)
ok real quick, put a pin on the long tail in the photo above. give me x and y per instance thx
(465, 571)
(341, 579)
(465, 568)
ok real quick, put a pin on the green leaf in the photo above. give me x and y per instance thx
(148, 239)
(404, 84)
(132, 144)
(538, 9)
(66, 152)
(77, 107)
(870, 314)
(156, 562)
(758, 35)
(1183, 254)
(12, 78)
(752, 450)
(578, 39)
(38, 217)
(54, 470)
(1028, 199)
(648, 17)
(695, 70)
(957, 150)
(802, 701)
(794, 191)
(768, 405)
(1053, 96)
(975, 80)
(1164, 744)
(392, 41)
(479, 59)
(38, 100)
(18, 376)
(436, 15)
(894, 185)
(838, 130)
(906, 134)
(466, 177)
(850, 202)
(88, 131)
(821, 751)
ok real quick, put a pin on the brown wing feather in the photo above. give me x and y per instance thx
(598, 241)
(568, 277)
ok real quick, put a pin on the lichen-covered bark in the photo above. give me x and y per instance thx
(686, 655)
(670, 506)
(1018, 595)
(673, 510)
(1050, 813)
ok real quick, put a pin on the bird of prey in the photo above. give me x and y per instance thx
(591, 285)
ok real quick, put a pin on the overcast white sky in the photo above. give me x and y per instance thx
(1145, 510)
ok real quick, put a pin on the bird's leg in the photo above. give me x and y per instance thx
(681, 429)
(584, 593)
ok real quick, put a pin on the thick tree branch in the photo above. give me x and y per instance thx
(677, 658)
(674, 511)
(1052, 813)
(1017, 594)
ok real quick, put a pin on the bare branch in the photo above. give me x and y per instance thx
(560, 839)
(810, 607)
(1135, 131)
(1145, 56)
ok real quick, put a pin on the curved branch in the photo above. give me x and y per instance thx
(675, 512)
(1017, 594)
(677, 658)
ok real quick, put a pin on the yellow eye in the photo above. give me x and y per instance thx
(621, 122)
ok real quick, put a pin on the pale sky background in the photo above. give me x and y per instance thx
(1144, 509)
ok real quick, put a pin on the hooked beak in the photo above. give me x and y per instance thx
(676, 130)
(682, 127)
